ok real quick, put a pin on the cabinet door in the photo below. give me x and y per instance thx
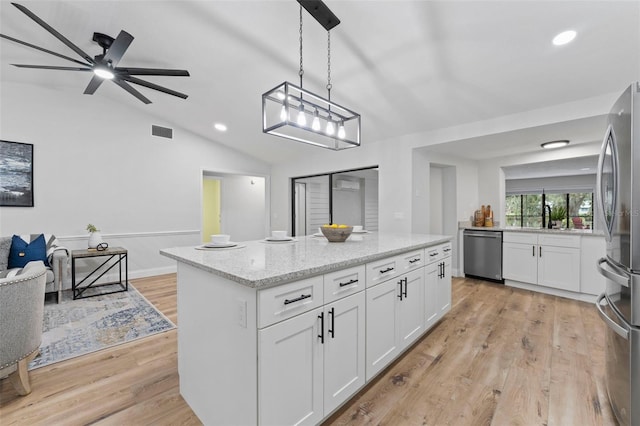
(344, 351)
(411, 307)
(444, 287)
(382, 326)
(559, 267)
(290, 371)
(431, 295)
(520, 262)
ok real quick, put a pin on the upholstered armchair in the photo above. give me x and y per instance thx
(21, 315)
(57, 257)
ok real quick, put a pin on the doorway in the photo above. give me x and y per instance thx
(233, 204)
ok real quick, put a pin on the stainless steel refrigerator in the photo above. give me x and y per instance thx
(618, 209)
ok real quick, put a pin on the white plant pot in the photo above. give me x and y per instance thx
(95, 238)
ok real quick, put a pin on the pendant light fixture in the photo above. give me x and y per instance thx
(291, 112)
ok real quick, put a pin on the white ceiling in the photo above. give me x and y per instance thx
(406, 66)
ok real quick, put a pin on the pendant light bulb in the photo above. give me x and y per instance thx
(315, 125)
(341, 132)
(302, 119)
(330, 128)
(283, 113)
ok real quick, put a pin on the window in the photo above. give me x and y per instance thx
(525, 210)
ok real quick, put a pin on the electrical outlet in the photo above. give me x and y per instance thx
(242, 313)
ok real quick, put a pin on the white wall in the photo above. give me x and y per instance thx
(95, 161)
(436, 200)
(243, 207)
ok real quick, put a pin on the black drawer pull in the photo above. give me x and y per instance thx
(447, 250)
(349, 282)
(433, 254)
(414, 260)
(297, 299)
(383, 271)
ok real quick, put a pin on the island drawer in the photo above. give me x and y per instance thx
(411, 260)
(285, 301)
(383, 270)
(439, 252)
(343, 283)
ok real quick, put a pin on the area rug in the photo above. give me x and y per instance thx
(78, 327)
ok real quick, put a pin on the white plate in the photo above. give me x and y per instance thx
(220, 245)
(279, 240)
(361, 232)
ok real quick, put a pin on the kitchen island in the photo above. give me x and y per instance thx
(286, 332)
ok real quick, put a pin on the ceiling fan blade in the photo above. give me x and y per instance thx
(118, 47)
(131, 90)
(155, 87)
(51, 67)
(33, 46)
(54, 33)
(93, 85)
(154, 71)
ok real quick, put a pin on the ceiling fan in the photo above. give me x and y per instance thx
(103, 66)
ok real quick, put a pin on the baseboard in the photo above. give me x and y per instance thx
(143, 273)
(583, 297)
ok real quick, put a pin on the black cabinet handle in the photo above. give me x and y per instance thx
(349, 282)
(400, 295)
(540, 251)
(447, 250)
(406, 281)
(321, 335)
(433, 254)
(333, 322)
(297, 299)
(414, 260)
(383, 271)
(533, 251)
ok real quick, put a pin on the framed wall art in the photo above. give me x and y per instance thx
(16, 174)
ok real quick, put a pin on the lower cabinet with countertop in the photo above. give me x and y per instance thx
(293, 353)
(553, 262)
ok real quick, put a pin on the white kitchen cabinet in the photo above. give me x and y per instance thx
(431, 294)
(395, 318)
(382, 326)
(411, 307)
(437, 294)
(559, 267)
(520, 262)
(444, 287)
(546, 259)
(592, 248)
(290, 371)
(344, 350)
(310, 364)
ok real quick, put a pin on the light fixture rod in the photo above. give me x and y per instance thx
(321, 13)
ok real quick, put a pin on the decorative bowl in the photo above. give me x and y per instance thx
(336, 235)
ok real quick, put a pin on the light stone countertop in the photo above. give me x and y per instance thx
(259, 264)
(587, 232)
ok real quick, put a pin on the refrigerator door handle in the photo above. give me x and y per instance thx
(622, 332)
(618, 278)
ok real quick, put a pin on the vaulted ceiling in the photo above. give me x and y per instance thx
(406, 66)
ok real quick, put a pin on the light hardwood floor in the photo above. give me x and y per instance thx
(502, 356)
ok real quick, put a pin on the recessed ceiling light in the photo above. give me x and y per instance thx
(564, 37)
(220, 127)
(555, 144)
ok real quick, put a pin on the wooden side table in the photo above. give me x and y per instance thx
(116, 256)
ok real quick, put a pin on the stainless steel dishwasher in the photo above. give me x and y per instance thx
(483, 254)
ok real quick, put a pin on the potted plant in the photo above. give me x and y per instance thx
(558, 216)
(95, 237)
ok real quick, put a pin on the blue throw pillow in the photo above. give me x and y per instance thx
(22, 252)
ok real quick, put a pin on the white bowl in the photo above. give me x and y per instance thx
(220, 238)
(279, 235)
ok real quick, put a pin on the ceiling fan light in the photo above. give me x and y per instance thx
(555, 144)
(103, 72)
(564, 38)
